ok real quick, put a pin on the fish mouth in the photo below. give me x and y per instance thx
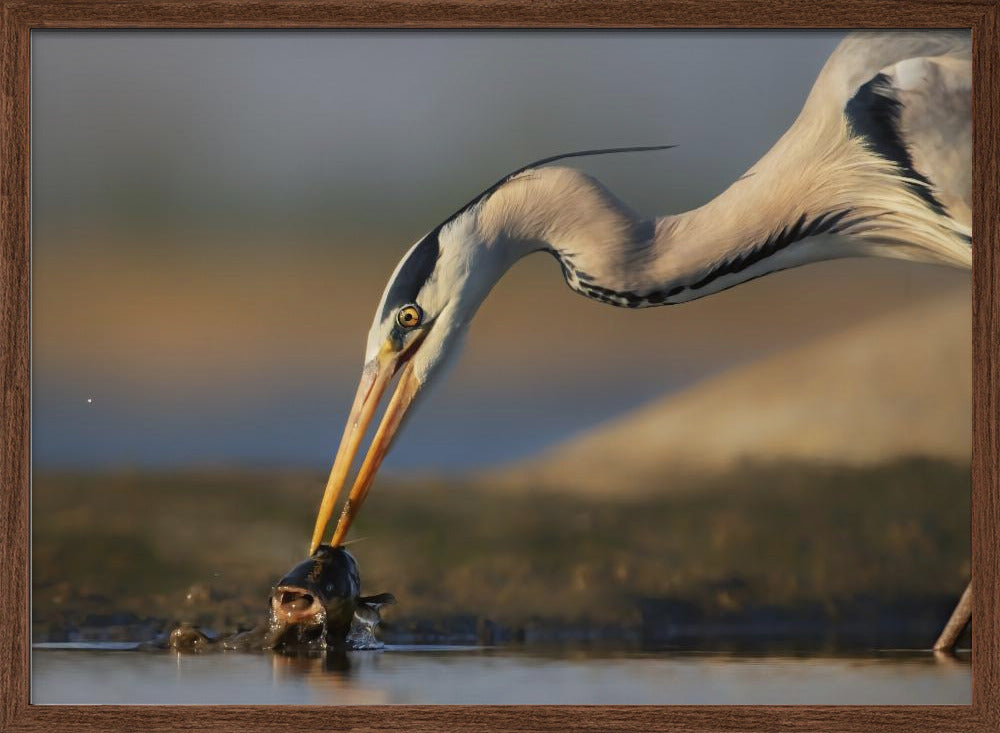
(293, 604)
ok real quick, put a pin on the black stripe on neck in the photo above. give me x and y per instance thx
(831, 222)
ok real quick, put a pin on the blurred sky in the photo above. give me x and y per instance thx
(215, 215)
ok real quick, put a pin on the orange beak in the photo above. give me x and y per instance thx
(374, 383)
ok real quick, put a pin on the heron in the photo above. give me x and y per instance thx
(876, 164)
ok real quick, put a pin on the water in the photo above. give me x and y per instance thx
(451, 675)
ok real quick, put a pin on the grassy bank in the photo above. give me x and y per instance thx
(204, 546)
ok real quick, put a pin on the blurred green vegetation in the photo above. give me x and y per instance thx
(205, 546)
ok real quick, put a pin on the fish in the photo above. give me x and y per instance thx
(319, 600)
(316, 605)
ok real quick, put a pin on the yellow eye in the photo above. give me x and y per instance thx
(409, 316)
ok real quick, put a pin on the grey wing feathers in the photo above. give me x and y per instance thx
(936, 124)
(917, 112)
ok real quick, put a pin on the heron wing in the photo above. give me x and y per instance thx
(917, 113)
(935, 124)
(909, 93)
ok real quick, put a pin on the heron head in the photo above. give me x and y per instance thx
(419, 323)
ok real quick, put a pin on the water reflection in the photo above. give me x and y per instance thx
(951, 659)
(330, 676)
(334, 661)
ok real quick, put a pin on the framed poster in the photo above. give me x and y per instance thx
(679, 516)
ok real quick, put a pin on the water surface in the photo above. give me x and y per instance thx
(474, 675)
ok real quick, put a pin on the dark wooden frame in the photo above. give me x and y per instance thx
(19, 18)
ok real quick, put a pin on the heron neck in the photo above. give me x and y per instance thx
(610, 253)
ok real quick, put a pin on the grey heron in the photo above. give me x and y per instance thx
(877, 163)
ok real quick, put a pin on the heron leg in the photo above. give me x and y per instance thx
(957, 623)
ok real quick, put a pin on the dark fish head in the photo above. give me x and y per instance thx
(322, 590)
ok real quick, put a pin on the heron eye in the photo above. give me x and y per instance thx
(409, 316)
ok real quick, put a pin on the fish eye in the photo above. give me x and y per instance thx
(409, 316)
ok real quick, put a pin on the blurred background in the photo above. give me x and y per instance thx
(215, 215)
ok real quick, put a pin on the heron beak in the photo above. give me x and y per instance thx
(374, 383)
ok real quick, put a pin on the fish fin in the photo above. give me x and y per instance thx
(382, 599)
